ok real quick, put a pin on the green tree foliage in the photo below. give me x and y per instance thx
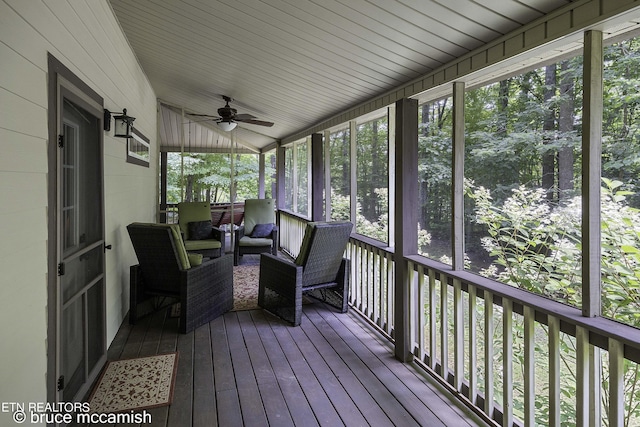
(536, 246)
(621, 115)
(205, 176)
(434, 178)
(372, 167)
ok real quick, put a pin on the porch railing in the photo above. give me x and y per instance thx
(515, 357)
(291, 232)
(220, 213)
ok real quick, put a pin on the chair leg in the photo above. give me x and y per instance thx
(337, 296)
(343, 284)
(135, 288)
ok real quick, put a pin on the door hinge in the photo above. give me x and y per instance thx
(61, 269)
(60, 382)
(60, 141)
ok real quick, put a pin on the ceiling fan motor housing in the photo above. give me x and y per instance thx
(227, 112)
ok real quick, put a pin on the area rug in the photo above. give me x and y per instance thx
(245, 287)
(135, 384)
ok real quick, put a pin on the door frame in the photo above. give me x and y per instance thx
(60, 78)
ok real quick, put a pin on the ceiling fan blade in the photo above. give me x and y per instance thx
(244, 116)
(254, 122)
(200, 115)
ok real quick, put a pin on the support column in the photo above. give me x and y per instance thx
(327, 175)
(588, 392)
(353, 172)
(163, 187)
(261, 176)
(406, 218)
(591, 165)
(280, 196)
(317, 178)
(457, 225)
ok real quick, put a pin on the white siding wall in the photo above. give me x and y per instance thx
(86, 38)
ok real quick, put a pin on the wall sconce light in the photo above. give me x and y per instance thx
(227, 126)
(123, 123)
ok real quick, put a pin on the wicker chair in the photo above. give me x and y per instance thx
(204, 288)
(319, 271)
(257, 213)
(195, 218)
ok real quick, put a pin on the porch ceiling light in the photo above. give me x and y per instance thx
(123, 123)
(227, 126)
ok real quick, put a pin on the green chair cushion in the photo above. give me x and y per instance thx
(196, 245)
(254, 241)
(192, 212)
(183, 259)
(195, 259)
(258, 211)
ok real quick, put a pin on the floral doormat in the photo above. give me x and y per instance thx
(135, 384)
(245, 287)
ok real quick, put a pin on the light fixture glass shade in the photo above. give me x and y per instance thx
(227, 126)
(123, 125)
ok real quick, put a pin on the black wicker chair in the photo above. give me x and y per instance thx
(203, 288)
(319, 271)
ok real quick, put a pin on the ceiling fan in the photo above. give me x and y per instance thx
(228, 117)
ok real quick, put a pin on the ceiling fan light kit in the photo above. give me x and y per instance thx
(227, 126)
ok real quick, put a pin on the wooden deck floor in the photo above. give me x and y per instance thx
(248, 368)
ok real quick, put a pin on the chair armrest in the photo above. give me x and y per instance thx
(276, 242)
(212, 268)
(278, 272)
(239, 233)
(219, 235)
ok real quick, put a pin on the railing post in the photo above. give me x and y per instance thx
(317, 178)
(406, 218)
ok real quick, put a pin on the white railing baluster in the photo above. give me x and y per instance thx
(421, 311)
(507, 363)
(616, 383)
(458, 334)
(432, 319)
(554, 371)
(582, 377)
(473, 346)
(376, 286)
(381, 281)
(444, 328)
(413, 308)
(595, 392)
(529, 367)
(391, 292)
(488, 354)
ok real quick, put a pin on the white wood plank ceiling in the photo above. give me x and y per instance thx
(299, 62)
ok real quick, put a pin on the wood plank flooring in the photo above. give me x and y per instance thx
(248, 368)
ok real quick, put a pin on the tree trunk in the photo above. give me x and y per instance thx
(423, 190)
(188, 196)
(565, 155)
(548, 126)
(375, 172)
(345, 185)
(503, 105)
